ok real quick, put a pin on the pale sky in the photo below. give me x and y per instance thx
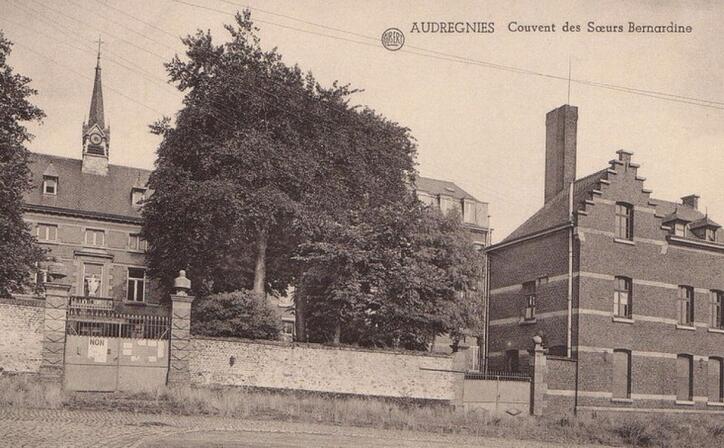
(480, 127)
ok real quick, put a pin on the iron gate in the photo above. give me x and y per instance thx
(107, 351)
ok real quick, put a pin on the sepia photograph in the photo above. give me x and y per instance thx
(387, 223)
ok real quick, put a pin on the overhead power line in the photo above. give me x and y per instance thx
(456, 58)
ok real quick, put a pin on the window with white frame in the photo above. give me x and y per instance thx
(716, 380)
(710, 234)
(135, 242)
(95, 237)
(686, 305)
(46, 232)
(679, 229)
(624, 221)
(622, 298)
(621, 374)
(529, 294)
(50, 185)
(136, 291)
(138, 195)
(684, 378)
(717, 309)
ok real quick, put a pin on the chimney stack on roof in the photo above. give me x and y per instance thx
(561, 130)
(691, 201)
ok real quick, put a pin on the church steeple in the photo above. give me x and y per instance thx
(96, 136)
(95, 115)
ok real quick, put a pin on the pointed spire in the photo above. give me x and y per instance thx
(95, 115)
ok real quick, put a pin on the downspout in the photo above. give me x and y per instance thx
(569, 337)
(486, 296)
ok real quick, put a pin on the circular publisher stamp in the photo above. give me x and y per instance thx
(393, 39)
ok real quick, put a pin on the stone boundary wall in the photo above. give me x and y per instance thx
(21, 335)
(321, 368)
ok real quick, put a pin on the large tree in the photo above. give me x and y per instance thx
(259, 156)
(19, 251)
(394, 275)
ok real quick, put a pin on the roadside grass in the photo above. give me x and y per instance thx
(666, 431)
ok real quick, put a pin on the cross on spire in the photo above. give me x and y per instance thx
(100, 41)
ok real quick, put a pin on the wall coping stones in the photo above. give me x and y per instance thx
(293, 345)
(23, 301)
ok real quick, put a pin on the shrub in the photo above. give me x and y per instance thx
(240, 314)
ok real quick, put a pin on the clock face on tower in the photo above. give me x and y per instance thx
(95, 139)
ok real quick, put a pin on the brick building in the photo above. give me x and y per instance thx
(86, 214)
(446, 196)
(628, 288)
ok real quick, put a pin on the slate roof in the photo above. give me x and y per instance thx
(102, 197)
(556, 212)
(675, 210)
(436, 187)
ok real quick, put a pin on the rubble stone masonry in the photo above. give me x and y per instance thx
(21, 335)
(319, 368)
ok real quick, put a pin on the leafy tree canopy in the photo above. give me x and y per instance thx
(235, 314)
(19, 251)
(259, 156)
(395, 275)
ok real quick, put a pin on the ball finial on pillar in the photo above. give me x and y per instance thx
(181, 284)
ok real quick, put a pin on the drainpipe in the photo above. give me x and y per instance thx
(486, 298)
(569, 338)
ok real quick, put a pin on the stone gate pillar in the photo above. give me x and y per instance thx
(538, 385)
(178, 369)
(53, 354)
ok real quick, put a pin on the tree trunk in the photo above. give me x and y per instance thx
(337, 332)
(260, 268)
(299, 317)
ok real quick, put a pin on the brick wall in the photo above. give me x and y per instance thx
(560, 379)
(311, 367)
(21, 335)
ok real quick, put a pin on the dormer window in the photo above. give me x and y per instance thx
(710, 234)
(680, 229)
(50, 185)
(138, 195)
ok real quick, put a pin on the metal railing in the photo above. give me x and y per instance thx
(497, 376)
(108, 323)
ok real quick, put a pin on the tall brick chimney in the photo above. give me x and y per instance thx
(691, 201)
(561, 125)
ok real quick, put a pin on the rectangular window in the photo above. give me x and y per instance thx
(95, 237)
(624, 221)
(710, 235)
(717, 306)
(686, 305)
(680, 229)
(138, 195)
(529, 293)
(621, 374)
(50, 185)
(47, 232)
(684, 378)
(716, 380)
(92, 280)
(622, 298)
(135, 242)
(136, 285)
